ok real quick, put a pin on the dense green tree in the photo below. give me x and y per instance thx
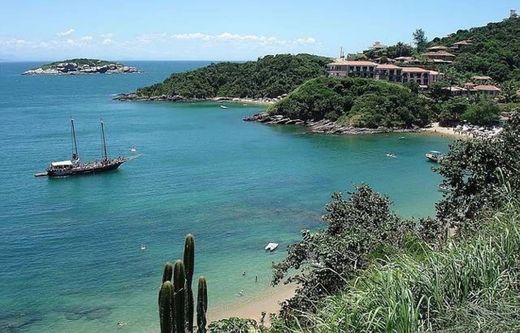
(324, 260)
(475, 171)
(483, 113)
(420, 40)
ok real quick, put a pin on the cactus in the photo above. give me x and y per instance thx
(202, 305)
(176, 295)
(179, 296)
(168, 272)
(166, 307)
(189, 261)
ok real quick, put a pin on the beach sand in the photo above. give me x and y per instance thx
(252, 308)
(445, 131)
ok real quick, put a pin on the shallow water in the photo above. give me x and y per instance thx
(70, 248)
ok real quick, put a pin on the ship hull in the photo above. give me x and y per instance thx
(86, 170)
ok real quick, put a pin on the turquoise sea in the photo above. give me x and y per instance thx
(70, 249)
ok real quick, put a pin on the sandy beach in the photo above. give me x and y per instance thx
(252, 308)
(445, 131)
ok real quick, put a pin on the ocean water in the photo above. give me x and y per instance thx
(70, 257)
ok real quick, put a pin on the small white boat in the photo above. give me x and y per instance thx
(223, 107)
(271, 247)
(391, 155)
(133, 149)
(143, 247)
(434, 156)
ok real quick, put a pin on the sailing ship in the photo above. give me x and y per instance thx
(74, 166)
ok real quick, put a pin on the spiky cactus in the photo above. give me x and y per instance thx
(176, 282)
(168, 272)
(179, 296)
(166, 307)
(189, 262)
(202, 305)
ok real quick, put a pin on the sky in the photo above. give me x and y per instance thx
(38, 30)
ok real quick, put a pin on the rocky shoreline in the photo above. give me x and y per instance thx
(323, 126)
(179, 98)
(72, 68)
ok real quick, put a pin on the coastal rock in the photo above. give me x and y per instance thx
(324, 126)
(81, 68)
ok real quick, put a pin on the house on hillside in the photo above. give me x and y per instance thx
(472, 89)
(457, 46)
(355, 68)
(441, 55)
(389, 72)
(386, 72)
(423, 77)
(378, 46)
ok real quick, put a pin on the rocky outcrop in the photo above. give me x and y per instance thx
(135, 97)
(321, 126)
(179, 98)
(75, 68)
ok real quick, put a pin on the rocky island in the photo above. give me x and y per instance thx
(81, 66)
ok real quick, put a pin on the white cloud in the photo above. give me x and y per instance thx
(107, 41)
(107, 35)
(65, 33)
(233, 37)
(86, 38)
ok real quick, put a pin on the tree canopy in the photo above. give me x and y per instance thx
(270, 76)
(355, 102)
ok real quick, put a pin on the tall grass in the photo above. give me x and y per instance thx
(472, 285)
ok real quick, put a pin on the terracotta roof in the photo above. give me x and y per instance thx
(438, 47)
(486, 87)
(415, 70)
(388, 66)
(354, 63)
(439, 53)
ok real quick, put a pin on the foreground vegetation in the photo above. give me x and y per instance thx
(355, 102)
(270, 76)
(372, 271)
(471, 286)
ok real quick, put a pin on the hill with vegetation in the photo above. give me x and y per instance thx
(355, 102)
(494, 50)
(268, 77)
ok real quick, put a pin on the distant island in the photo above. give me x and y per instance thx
(81, 66)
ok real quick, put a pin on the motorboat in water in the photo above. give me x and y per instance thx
(434, 156)
(271, 247)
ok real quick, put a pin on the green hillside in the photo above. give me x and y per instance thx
(494, 50)
(270, 76)
(355, 102)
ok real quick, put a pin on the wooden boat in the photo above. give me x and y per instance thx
(74, 166)
(434, 156)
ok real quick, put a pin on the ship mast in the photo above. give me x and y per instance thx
(105, 155)
(75, 155)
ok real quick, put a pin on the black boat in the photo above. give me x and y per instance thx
(74, 166)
